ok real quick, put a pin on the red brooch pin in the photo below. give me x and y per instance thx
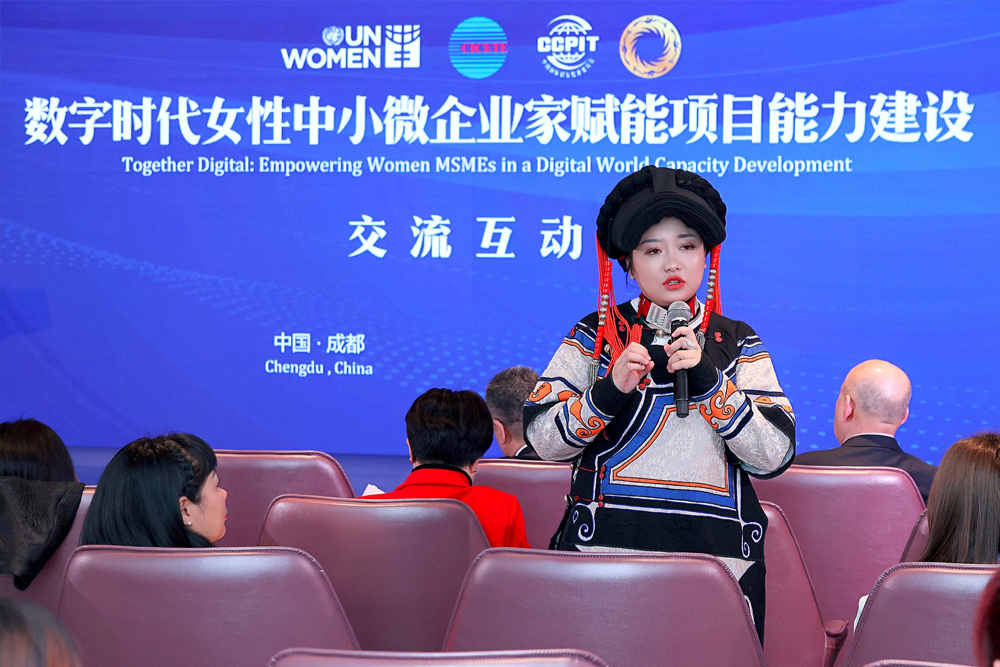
(718, 337)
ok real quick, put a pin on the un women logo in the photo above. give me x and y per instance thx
(650, 46)
(333, 35)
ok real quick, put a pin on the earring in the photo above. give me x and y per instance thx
(189, 523)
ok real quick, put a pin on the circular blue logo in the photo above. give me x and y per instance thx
(478, 47)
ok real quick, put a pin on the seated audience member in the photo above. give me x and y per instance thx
(39, 497)
(505, 397)
(158, 492)
(987, 636)
(874, 402)
(448, 432)
(30, 637)
(963, 512)
(31, 450)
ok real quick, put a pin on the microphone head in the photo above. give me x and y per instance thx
(679, 311)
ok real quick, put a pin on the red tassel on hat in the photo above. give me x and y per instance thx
(713, 295)
(608, 327)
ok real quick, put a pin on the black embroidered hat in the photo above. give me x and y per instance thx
(642, 199)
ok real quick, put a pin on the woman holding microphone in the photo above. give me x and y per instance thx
(647, 476)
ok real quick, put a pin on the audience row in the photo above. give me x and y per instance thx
(128, 606)
(166, 492)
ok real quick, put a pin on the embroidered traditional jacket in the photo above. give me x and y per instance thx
(647, 479)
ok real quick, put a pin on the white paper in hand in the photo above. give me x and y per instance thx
(371, 490)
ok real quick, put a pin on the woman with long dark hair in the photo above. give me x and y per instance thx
(963, 509)
(158, 492)
(31, 450)
(647, 476)
(39, 497)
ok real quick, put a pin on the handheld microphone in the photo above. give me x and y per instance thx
(679, 314)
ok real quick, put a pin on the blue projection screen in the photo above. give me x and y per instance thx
(274, 224)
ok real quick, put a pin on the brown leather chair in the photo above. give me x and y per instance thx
(794, 630)
(45, 588)
(397, 565)
(254, 478)
(305, 657)
(633, 610)
(130, 606)
(918, 540)
(920, 611)
(540, 487)
(851, 523)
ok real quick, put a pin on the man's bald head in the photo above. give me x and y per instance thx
(874, 398)
(881, 390)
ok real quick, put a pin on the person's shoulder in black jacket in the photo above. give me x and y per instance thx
(527, 453)
(873, 449)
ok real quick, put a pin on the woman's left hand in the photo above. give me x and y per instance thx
(684, 352)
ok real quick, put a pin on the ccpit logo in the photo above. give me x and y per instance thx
(650, 46)
(567, 46)
(478, 47)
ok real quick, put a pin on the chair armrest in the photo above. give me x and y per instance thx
(836, 630)
(836, 633)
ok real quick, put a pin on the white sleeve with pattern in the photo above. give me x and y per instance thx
(564, 414)
(750, 412)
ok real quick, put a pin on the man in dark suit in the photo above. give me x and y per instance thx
(505, 396)
(874, 402)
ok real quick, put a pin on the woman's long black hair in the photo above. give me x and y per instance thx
(31, 450)
(137, 502)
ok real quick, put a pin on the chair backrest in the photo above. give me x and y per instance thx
(632, 610)
(793, 625)
(254, 478)
(918, 540)
(397, 565)
(911, 663)
(44, 588)
(305, 657)
(851, 523)
(920, 611)
(128, 606)
(540, 487)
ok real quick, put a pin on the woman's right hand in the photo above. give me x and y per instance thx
(631, 367)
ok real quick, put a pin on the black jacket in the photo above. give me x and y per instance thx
(527, 453)
(873, 450)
